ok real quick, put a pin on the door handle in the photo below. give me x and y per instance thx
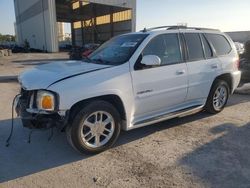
(215, 66)
(180, 72)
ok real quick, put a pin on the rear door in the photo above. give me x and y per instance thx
(203, 66)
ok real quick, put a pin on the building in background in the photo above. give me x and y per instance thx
(92, 21)
(60, 31)
(15, 29)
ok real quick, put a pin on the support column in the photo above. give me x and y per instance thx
(82, 27)
(82, 31)
(73, 38)
(94, 34)
(111, 22)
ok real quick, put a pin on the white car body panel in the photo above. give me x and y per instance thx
(44, 75)
(95, 84)
(154, 87)
(201, 75)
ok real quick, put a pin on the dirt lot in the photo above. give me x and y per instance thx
(196, 151)
(13, 65)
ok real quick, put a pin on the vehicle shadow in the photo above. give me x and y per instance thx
(225, 161)
(136, 134)
(22, 159)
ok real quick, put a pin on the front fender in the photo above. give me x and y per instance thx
(112, 81)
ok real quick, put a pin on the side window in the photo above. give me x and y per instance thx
(166, 47)
(208, 50)
(220, 43)
(195, 50)
(172, 52)
(155, 47)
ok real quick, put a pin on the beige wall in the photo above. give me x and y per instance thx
(60, 31)
(121, 3)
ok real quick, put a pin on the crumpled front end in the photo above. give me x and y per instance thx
(38, 105)
(36, 119)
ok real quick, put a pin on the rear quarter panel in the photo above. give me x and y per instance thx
(229, 64)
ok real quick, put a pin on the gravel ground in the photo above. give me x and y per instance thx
(196, 151)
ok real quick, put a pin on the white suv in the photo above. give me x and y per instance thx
(131, 81)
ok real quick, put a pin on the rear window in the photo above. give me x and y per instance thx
(220, 43)
(195, 50)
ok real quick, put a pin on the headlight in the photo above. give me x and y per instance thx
(45, 100)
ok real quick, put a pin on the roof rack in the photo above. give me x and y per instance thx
(176, 27)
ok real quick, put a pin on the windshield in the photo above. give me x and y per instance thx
(118, 50)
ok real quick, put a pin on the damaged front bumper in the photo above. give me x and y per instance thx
(35, 119)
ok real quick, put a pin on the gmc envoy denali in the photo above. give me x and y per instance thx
(131, 81)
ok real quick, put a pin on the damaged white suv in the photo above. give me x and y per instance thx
(131, 81)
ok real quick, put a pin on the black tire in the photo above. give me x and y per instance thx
(210, 107)
(74, 131)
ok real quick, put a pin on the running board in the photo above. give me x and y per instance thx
(180, 113)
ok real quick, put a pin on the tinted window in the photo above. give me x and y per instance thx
(220, 43)
(118, 50)
(207, 48)
(166, 47)
(195, 51)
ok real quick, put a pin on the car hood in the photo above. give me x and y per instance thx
(41, 77)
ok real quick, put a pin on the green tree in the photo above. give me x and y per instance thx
(9, 38)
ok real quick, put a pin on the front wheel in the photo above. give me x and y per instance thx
(95, 128)
(218, 97)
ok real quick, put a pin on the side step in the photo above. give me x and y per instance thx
(180, 113)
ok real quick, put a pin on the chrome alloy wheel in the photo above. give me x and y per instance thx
(220, 97)
(97, 129)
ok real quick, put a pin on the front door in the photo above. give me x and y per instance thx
(160, 88)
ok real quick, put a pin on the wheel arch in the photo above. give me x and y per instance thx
(113, 99)
(209, 107)
(227, 77)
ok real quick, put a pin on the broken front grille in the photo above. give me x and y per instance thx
(25, 98)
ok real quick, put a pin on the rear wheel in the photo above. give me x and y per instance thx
(218, 97)
(95, 128)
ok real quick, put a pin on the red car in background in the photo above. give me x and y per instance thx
(78, 53)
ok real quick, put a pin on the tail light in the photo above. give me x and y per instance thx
(237, 63)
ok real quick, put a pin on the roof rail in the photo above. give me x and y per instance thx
(197, 28)
(154, 28)
(176, 27)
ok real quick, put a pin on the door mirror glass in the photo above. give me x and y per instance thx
(151, 60)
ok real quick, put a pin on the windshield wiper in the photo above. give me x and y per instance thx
(101, 61)
(87, 58)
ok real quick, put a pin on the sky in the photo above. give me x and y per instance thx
(226, 15)
(7, 17)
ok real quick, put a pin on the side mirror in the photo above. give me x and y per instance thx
(151, 60)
